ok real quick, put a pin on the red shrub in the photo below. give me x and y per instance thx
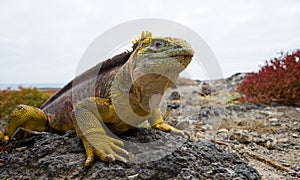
(277, 81)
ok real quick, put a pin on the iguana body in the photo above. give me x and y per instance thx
(116, 95)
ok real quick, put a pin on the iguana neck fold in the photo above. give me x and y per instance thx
(153, 66)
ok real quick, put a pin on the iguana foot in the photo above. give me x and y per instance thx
(165, 127)
(157, 122)
(90, 129)
(106, 148)
(26, 117)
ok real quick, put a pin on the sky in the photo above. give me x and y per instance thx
(43, 41)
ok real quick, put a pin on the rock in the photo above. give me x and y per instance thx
(206, 127)
(283, 140)
(185, 82)
(297, 168)
(257, 138)
(222, 131)
(211, 112)
(271, 143)
(236, 78)
(174, 101)
(240, 135)
(206, 89)
(294, 135)
(222, 134)
(45, 158)
(273, 120)
(276, 104)
(173, 105)
(174, 96)
(185, 124)
(295, 123)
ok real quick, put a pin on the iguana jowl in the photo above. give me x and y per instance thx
(116, 95)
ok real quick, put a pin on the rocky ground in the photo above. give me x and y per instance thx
(62, 156)
(228, 141)
(265, 136)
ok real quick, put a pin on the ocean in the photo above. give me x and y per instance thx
(14, 86)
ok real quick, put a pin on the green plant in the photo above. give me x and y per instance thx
(9, 99)
(277, 81)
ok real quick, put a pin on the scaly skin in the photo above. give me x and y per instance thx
(116, 95)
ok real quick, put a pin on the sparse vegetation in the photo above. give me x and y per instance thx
(9, 99)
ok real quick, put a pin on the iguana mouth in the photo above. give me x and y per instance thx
(173, 57)
(184, 56)
(186, 53)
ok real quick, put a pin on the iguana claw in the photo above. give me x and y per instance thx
(168, 128)
(106, 148)
(90, 129)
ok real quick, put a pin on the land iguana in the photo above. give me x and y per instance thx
(116, 95)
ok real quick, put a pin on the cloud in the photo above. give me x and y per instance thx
(42, 41)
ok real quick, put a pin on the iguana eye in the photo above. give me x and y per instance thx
(157, 44)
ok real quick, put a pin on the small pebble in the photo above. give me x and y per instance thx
(222, 131)
(206, 127)
(283, 140)
(297, 168)
(257, 140)
(294, 135)
(271, 143)
(273, 120)
(222, 134)
(241, 135)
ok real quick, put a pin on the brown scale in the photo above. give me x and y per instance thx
(93, 83)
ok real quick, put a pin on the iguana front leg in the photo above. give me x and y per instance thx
(89, 127)
(157, 122)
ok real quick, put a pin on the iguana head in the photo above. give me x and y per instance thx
(153, 66)
(165, 56)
